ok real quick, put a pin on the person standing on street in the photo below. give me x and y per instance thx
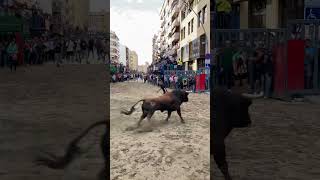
(90, 48)
(12, 51)
(308, 64)
(77, 50)
(226, 65)
(83, 46)
(69, 50)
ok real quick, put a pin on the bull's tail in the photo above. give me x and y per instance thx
(56, 162)
(132, 109)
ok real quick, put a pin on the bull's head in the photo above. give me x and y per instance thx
(240, 115)
(182, 95)
(185, 96)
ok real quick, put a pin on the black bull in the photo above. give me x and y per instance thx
(228, 111)
(170, 102)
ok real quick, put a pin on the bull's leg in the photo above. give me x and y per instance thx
(179, 113)
(219, 155)
(169, 115)
(144, 115)
(150, 114)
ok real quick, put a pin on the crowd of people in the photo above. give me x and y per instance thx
(237, 63)
(38, 50)
(174, 80)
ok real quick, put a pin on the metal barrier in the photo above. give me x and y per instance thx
(301, 29)
(248, 40)
(273, 40)
(196, 81)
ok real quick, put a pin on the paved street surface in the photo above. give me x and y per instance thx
(282, 143)
(43, 108)
(171, 151)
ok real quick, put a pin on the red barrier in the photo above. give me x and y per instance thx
(296, 56)
(279, 69)
(201, 82)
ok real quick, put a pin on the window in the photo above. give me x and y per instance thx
(181, 34)
(192, 25)
(183, 15)
(188, 28)
(204, 14)
(199, 18)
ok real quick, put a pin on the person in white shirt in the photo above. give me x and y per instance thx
(69, 50)
(78, 50)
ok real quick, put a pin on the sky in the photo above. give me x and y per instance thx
(135, 22)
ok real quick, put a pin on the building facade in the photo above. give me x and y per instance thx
(169, 34)
(127, 57)
(133, 62)
(114, 48)
(194, 34)
(98, 22)
(123, 55)
(268, 13)
(76, 13)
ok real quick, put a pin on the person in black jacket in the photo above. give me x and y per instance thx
(268, 74)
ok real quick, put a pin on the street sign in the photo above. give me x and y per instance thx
(312, 13)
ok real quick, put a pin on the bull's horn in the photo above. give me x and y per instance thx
(252, 96)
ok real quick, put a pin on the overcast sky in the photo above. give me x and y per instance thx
(135, 22)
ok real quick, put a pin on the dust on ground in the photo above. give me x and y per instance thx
(171, 151)
(42, 108)
(282, 143)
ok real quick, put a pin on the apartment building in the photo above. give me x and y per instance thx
(133, 62)
(98, 22)
(169, 34)
(127, 57)
(194, 33)
(114, 47)
(76, 13)
(155, 48)
(123, 55)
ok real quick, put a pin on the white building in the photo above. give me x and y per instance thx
(114, 47)
(123, 55)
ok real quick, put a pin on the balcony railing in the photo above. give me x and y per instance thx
(175, 36)
(175, 11)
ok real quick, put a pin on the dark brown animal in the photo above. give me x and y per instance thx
(170, 101)
(73, 150)
(228, 111)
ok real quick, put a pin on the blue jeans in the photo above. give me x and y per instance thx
(268, 85)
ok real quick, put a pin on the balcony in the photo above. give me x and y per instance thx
(175, 11)
(175, 24)
(162, 33)
(175, 37)
(162, 23)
